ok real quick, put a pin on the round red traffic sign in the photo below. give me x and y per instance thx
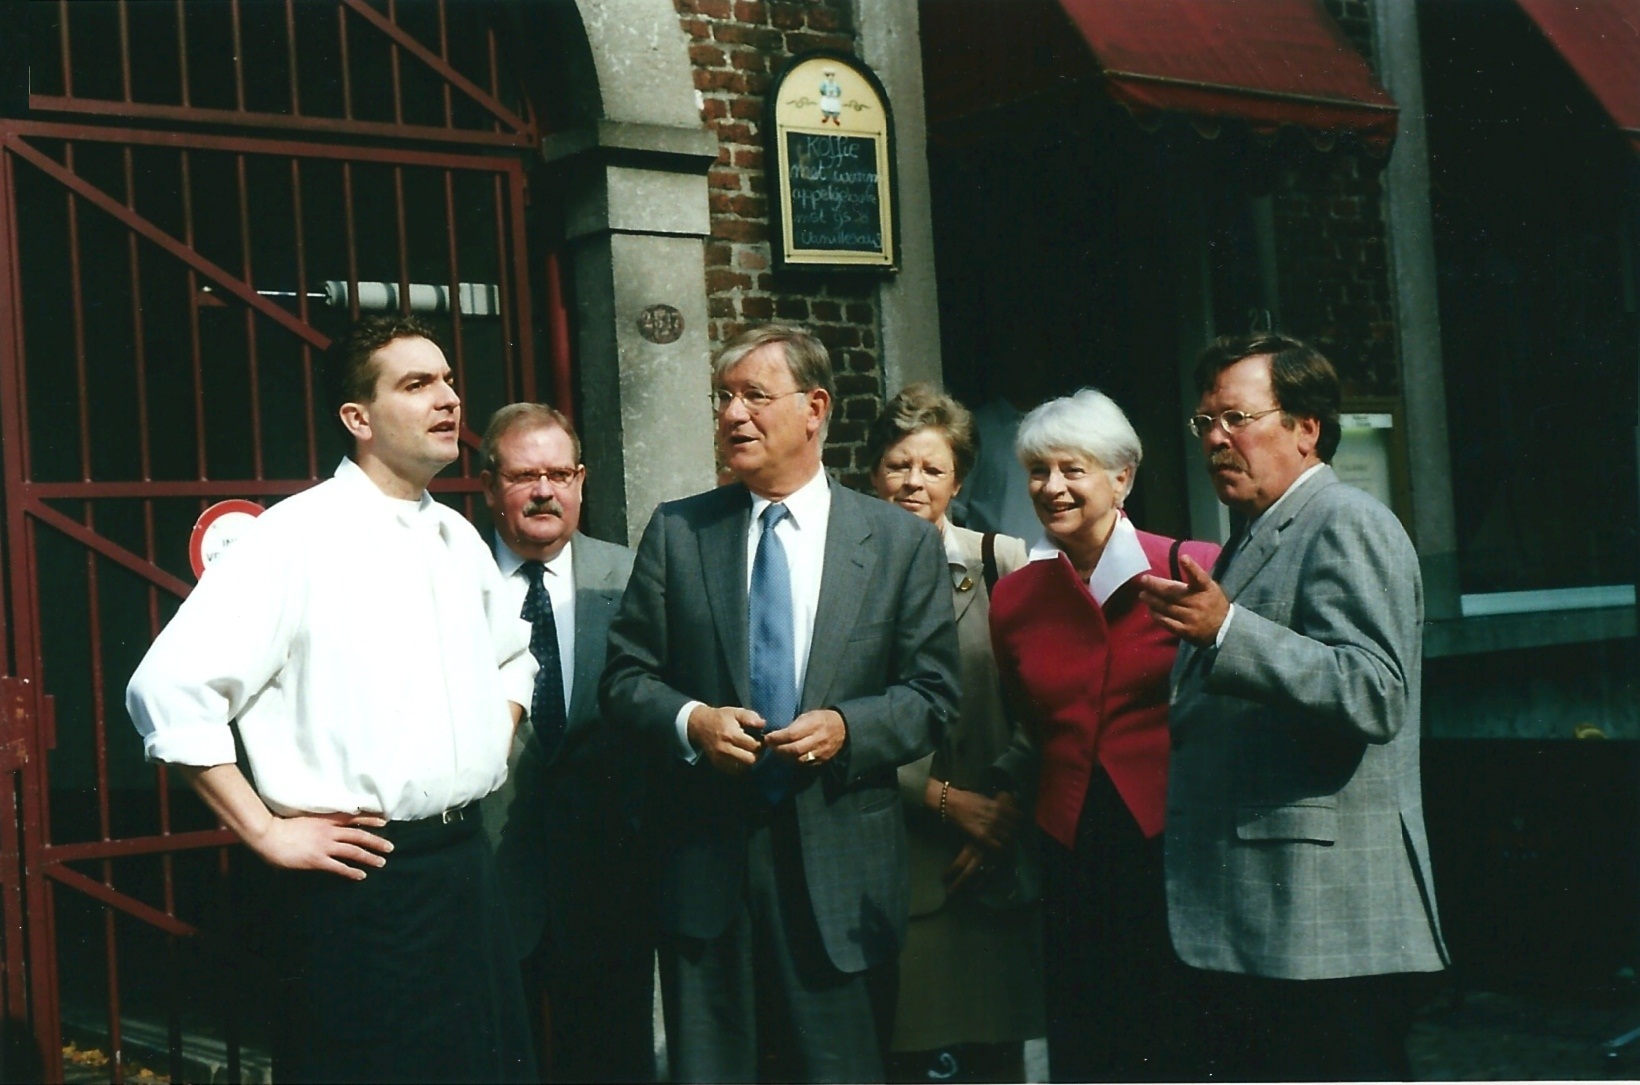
(217, 528)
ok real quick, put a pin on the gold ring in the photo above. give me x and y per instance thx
(808, 758)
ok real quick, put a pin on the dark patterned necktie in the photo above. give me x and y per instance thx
(1238, 538)
(547, 703)
(773, 655)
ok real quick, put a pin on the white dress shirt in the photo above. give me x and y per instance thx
(803, 535)
(363, 643)
(1122, 559)
(1252, 526)
(560, 581)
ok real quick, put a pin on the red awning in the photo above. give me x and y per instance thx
(1267, 62)
(1600, 39)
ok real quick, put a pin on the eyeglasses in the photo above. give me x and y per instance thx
(1231, 421)
(558, 476)
(756, 399)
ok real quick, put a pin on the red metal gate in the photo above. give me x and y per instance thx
(202, 194)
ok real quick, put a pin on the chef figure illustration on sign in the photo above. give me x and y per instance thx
(831, 98)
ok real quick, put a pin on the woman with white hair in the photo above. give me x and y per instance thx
(1089, 670)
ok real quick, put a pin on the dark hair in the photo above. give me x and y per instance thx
(1303, 381)
(349, 374)
(515, 416)
(917, 407)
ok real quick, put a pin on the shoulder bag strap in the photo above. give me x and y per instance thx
(988, 557)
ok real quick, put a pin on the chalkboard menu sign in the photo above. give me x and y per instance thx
(831, 164)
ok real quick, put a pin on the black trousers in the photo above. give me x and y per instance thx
(600, 1006)
(1116, 994)
(762, 1001)
(1259, 1029)
(408, 975)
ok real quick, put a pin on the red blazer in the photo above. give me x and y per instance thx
(1095, 680)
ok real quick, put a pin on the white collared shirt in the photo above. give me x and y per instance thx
(1252, 526)
(1122, 560)
(559, 579)
(363, 643)
(803, 535)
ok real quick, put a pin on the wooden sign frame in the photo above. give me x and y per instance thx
(830, 154)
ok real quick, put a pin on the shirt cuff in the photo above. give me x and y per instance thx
(518, 680)
(1229, 616)
(201, 744)
(686, 750)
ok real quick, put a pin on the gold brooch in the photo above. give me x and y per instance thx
(967, 583)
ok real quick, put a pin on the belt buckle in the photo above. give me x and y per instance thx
(452, 815)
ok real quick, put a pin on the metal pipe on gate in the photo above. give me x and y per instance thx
(476, 299)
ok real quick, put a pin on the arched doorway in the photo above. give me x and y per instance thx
(195, 198)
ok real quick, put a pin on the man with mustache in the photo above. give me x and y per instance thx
(357, 635)
(1298, 877)
(569, 849)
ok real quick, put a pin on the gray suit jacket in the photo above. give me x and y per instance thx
(566, 820)
(884, 654)
(1295, 830)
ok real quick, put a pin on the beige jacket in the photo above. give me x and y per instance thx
(978, 740)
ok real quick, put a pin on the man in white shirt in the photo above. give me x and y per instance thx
(569, 852)
(784, 645)
(360, 636)
(1298, 877)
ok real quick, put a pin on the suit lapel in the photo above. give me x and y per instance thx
(844, 581)
(1255, 555)
(1266, 540)
(973, 569)
(963, 599)
(723, 568)
(595, 603)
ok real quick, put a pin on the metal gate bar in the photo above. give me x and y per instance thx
(506, 128)
(220, 182)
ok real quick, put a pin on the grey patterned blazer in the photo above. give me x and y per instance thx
(883, 653)
(1295, 842)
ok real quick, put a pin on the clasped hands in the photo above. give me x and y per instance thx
(731, 737)
(989, 823)
(1191, 609)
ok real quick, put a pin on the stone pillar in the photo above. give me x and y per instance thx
(635, 216)
(633, 184)
(890, 40)
(1411, 245)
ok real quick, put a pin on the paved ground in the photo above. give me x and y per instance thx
(1525, 1035)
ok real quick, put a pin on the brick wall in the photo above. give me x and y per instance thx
(1330, 230)
(735, 47)
(1332, 265)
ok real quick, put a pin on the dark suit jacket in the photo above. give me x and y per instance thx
(884, 654)
(569, 822)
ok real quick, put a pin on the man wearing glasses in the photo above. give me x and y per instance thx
(569, 850)
(784, 646)
(1298, 876)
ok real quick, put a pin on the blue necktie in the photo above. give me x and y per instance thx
(547, 702)
(773, 670)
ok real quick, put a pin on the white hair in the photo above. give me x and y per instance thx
(1088, 424)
